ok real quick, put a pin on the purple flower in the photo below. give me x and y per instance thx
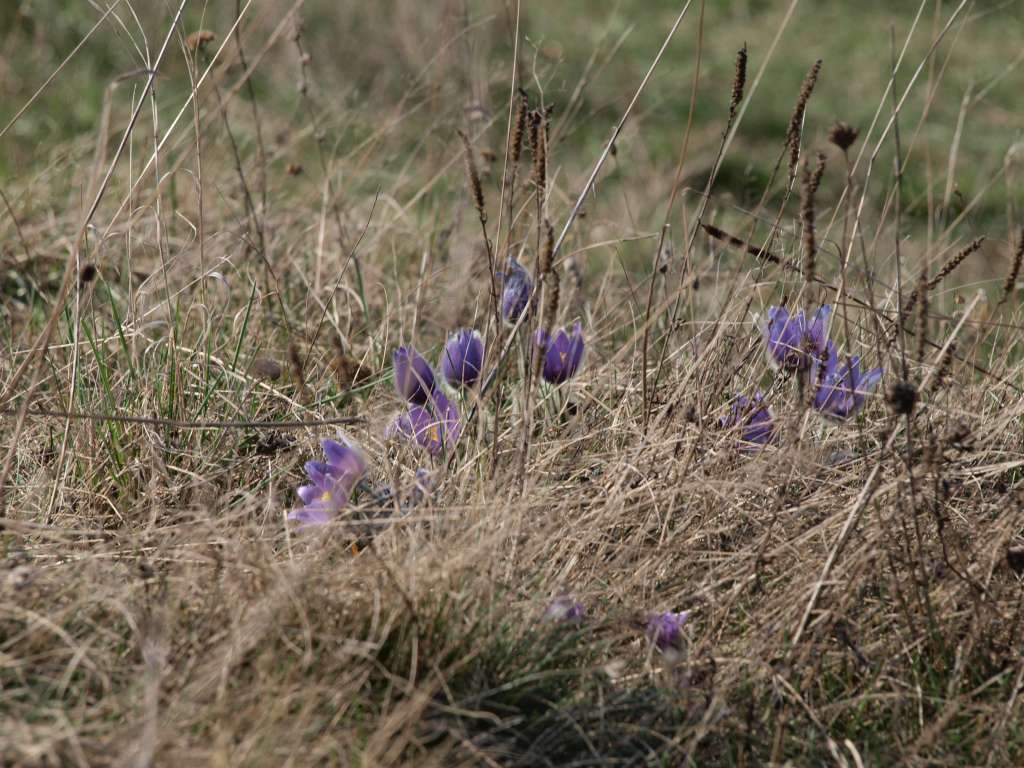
(565, 609)
(754, 419)
(841, 390)
(423, 487)
(563, 354)
(331, 482)
(665, 630)
(792, 342)
(433, 428)
(515, 295)
(463, 358)
(414, 378)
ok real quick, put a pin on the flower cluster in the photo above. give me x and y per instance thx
(431, 419)
(796, 343)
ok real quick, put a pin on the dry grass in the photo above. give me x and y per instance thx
(856, 589)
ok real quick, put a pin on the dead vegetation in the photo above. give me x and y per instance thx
(173, 351)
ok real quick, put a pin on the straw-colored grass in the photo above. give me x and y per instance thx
(170, 356)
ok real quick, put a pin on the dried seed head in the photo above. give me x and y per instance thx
(811, 182)
(87, 274)
(474, 178)
(920, 296)
(902, 397)
(842, 135)
(796, 121)
(199, 40)
(1011, 278)
(294, 169)
(266, 368)
(956, 261)
(735, 242)
(739, 81)
(519, 129)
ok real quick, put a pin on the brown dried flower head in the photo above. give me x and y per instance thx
(842, 135)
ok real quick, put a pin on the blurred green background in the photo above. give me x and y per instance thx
(429, 67)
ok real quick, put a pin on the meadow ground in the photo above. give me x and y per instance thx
(219, 221)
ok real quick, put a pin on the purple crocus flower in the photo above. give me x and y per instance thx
(665, 630)
(754, 420)
(563, 354)
(515, 295)
(841, 389)
(414, 378)
(433, 428)
(331, 482)
(793, 342)
(463, 358)
(565, 609)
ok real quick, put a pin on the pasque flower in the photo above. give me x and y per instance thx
(793, 341)
(515, 295)
(753, 419)
(330, 482)
(565, 609)
(463, 358)
(841, 390)
(665, 630)
(434, 427)
(563, 354)
(414, 378)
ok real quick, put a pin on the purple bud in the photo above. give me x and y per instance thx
(565, 609)
(563, 354)
(414, 378)
(665, 630)
(515, 296)
(463, 358)
(793, 343)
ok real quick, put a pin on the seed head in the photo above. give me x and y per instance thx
(842, 135)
